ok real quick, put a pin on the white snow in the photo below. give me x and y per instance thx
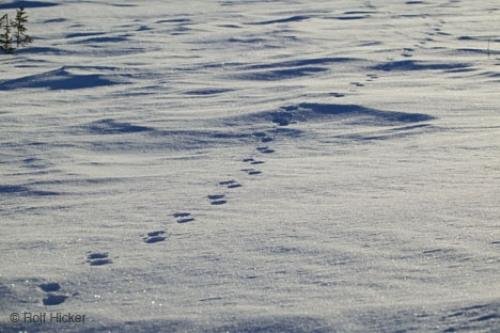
(252, 166)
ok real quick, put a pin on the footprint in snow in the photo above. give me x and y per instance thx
(337, 95)
(230, 183)
(183, 217)
(154, 237)
(265, 150)
(259, 134)
(51, 298)
(50, 286)
(252, 172)
(371, 77)
(407, 52)
(217, 199)
(357, 84)
(252, 161)
(98, 258)
(263, 137)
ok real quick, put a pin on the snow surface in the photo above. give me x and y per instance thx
(253, 166)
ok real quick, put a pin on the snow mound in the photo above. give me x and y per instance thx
(59, 79)
(110, 126)
(413, 65)
(345, 113)
(289, 69)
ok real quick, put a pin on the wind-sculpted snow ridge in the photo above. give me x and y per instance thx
(289, 69)
(58, 79)
(295, 18)
(252, 166)
(95, 40)
(410, 65)
(397, 132)
(118, 135)
(26, 4)
(31, 50)
(206, 92)
(23, 191)
(110, 126)
(336, 113)
(352, 114)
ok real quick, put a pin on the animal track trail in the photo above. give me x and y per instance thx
(154, 237)
(217, 199)
(51, 298)
(183, 217)
(98, 258)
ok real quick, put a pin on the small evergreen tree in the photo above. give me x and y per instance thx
(19, 25)
(4, 19)
(5, 35)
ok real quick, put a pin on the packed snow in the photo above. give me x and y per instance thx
(252, 166)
